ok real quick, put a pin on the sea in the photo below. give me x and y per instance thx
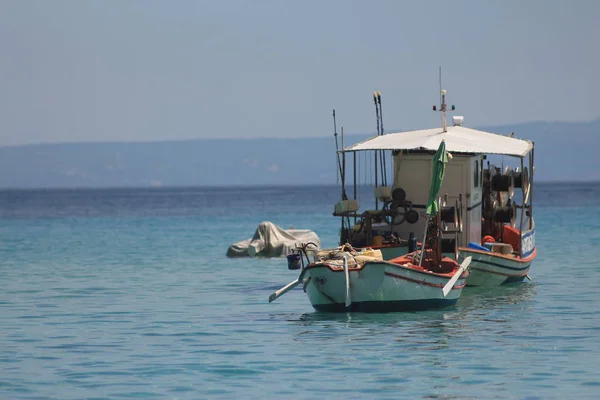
(127, 293)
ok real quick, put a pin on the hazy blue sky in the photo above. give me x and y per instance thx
(157, 70)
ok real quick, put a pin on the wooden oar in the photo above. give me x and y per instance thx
(452, 281)
(286, 288)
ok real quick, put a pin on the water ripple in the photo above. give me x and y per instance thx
(146, 306)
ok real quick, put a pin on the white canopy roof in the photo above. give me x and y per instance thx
(458, 140)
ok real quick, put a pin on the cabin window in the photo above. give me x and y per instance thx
(476, 175)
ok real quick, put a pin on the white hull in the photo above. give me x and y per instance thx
(378, 286)
(492, 269)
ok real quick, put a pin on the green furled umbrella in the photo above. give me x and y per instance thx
(437, 177)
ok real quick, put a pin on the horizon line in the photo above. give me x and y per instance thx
(183, 140)
(238, 186)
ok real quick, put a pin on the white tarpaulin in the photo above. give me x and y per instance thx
(458, 140)
(270, 240)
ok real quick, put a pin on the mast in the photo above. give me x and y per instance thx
(443, 105)
(345, 197)
(443, 110)
(383, 166)
(337, 155)
(376, 152)
(343, 167)
(354, 178)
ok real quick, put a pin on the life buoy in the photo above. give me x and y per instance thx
(487, 239)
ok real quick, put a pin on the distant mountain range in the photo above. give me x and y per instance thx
(565, 151)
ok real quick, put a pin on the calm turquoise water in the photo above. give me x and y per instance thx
(127, 293)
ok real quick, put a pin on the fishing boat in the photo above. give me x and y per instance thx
(349, 281)
(486, 209)
(346, 279)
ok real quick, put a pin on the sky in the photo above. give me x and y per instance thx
(95, 71)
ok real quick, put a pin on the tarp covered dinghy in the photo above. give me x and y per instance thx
(270, 240)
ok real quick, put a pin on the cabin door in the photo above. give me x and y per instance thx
(456, 182)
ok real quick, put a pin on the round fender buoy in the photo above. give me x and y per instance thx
(487, 239)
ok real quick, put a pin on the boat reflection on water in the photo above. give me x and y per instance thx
(430, 330)
(472, 299)
(490, 297)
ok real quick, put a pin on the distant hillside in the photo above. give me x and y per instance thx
(564, 152)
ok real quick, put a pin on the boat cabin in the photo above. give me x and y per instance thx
(477, 201)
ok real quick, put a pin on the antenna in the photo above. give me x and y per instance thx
(442, 102)
(440, 75)
(443, 110)
(340, 171)
(443, 106)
